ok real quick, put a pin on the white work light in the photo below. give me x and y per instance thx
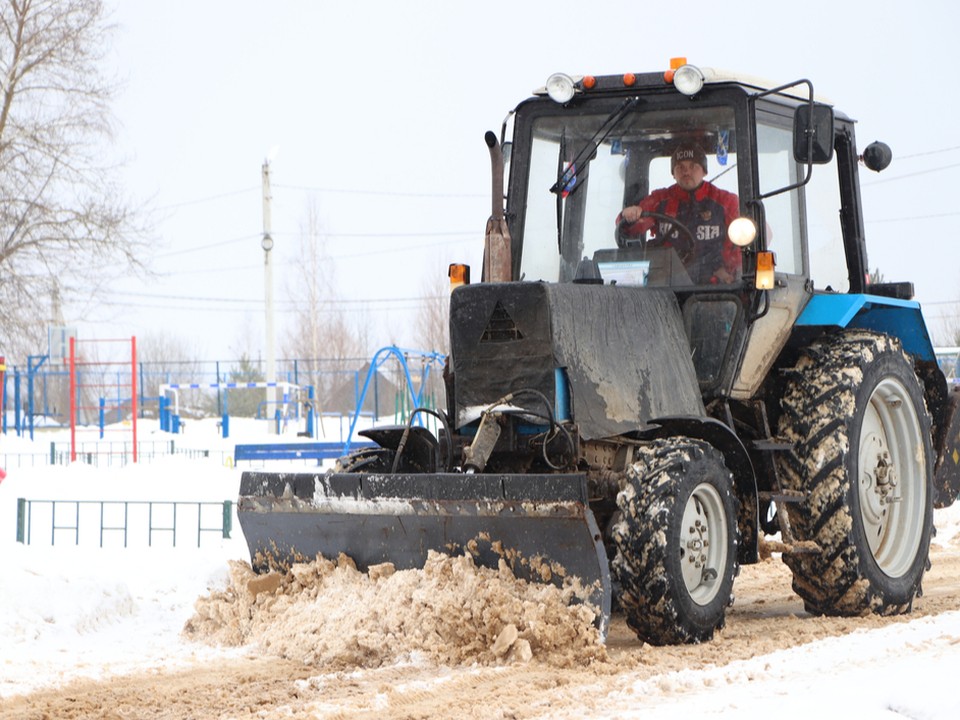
(688, 79)
(560, 88)
(742, 232)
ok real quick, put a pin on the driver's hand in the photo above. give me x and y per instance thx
(631, 214)
(724, 276)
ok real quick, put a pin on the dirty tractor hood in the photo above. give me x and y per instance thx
(623, 352)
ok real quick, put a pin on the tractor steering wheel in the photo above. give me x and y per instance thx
(623, 240)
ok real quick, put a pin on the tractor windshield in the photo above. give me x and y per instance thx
(586, 168)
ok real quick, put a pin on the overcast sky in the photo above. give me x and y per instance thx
(376, 112)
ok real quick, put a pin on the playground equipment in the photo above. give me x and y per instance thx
(170, 421)
(38, 392)
(414, 395)
(96, 377)
(415, 391)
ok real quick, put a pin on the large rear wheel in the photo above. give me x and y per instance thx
(676, 542)
(863, 458)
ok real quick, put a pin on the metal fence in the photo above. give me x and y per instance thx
(123, 522)
(101, 453)
(115, 453)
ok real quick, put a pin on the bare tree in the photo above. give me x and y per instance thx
(949, 330)
(332, 345)
(166, 358)
(62, 219)
(433, 325)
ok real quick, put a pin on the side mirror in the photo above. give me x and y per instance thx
(813, 134)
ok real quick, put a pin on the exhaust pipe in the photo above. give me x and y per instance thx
(497, 252)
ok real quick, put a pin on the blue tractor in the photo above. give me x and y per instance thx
(621, 421)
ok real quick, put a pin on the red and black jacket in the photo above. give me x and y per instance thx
(707, 212)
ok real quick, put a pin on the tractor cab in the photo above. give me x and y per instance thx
(584, 149)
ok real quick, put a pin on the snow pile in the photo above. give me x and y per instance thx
(452, 612)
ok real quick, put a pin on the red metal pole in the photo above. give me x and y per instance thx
(133, 391)
(73, 400)
(3, 386)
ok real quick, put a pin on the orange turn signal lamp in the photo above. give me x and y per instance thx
(459, 274)
(765, 268)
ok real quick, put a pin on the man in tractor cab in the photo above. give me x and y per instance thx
(691, 216)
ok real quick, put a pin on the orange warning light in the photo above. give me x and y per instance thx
(765, 266)
(459, 274)
(675, 63)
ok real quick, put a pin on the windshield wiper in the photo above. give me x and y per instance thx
(567, 181)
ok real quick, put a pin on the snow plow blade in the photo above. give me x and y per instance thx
(540, 525)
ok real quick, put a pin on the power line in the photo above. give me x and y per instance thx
(928, 152)
(208, 246)
(915, 217)
(209, 198)
(341, 301)
(336, 302)
(329, 190)
(388, 193)
(405, 248)
(398, 234)
(910, 175)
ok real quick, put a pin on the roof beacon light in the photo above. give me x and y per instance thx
(560, 88)
(688, 79)
(675, 63)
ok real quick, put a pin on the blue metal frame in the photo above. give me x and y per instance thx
(900, 318)
(380, 357)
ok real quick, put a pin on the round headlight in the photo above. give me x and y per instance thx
(742, 232)
(560, 88)
(688, 79)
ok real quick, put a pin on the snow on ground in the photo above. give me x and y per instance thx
(71, 610)
(900, 671)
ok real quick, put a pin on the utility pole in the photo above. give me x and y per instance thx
(267, 244)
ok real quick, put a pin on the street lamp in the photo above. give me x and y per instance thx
(267, 244)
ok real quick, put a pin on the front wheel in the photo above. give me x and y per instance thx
(863, 458)
(676, 542)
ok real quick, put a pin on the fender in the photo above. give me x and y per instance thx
(901, 319)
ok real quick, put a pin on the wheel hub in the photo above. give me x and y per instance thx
(702, 543)
(878, 481)
(891, 487)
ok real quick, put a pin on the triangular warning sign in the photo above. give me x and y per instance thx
(500, 327)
